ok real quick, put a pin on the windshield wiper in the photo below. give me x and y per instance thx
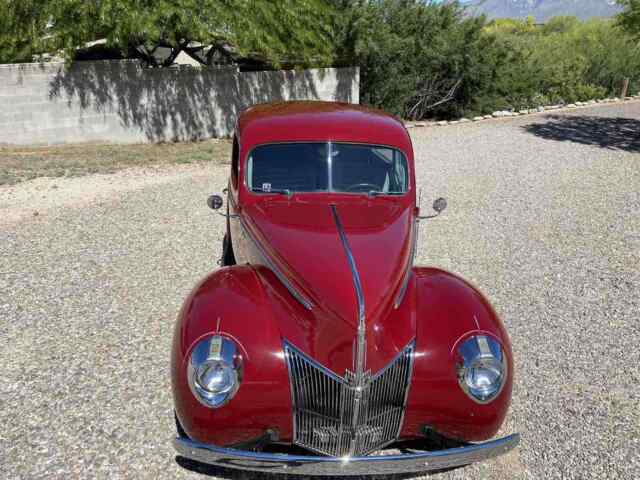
(281, 191)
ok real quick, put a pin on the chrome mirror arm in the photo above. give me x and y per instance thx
(438, 206)
(426, 217)
(228, 215)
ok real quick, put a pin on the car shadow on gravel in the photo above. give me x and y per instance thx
(235, 474)
(615, 133)
(431, 443)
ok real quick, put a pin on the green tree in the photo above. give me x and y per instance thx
(417, 58)
(564, 60)
(294, 31)
(18, 22)
(611, 55)
(561, 24)
(629, 19)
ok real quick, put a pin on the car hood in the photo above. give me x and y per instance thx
(303, 240)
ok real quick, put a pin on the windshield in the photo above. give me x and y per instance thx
(326, 167)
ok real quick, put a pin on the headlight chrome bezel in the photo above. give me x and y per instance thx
(478, 351)
(220, 352)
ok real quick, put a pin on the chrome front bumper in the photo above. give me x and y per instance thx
(316, 465)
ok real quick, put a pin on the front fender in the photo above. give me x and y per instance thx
(448, 310)
(231, 302)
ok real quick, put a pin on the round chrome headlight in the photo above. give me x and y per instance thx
(216, 377)
(214, 371)
(482, 369)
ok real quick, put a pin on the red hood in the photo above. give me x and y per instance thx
(302, 238)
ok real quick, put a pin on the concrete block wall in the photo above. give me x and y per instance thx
(122, 102)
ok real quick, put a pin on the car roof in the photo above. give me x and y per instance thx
(299, 121)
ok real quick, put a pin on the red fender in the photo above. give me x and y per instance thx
(231, 302)
(449, 310)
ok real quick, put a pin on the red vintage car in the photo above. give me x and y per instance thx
(319, 348)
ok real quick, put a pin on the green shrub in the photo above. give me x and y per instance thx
(431, 60)
(416, 59)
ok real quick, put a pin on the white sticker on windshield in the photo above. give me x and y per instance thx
(266, 187)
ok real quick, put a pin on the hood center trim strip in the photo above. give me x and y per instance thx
(360, 377)
(352, 265)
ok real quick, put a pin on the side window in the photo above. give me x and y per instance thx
(235, 153)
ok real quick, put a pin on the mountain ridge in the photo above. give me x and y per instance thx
(542, 10)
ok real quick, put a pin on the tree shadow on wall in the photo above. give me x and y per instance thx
(181, 104)
(615, 133)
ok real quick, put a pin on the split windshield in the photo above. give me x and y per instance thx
(326, 167)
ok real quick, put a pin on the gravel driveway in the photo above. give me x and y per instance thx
(544, 216)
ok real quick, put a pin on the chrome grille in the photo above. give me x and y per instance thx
(333, 417)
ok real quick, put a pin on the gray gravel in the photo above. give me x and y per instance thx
(544, 216)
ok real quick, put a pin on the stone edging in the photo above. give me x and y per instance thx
(509, 113)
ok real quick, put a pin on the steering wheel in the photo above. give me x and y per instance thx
(369, 186)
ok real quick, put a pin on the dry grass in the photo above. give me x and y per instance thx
(18, 164)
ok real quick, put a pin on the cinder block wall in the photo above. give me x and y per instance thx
(121, 102)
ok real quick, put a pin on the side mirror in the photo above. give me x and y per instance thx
(214, 202)
(439, 205)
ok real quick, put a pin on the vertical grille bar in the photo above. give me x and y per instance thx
(324, 405)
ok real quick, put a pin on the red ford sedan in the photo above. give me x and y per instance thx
(319, 348)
